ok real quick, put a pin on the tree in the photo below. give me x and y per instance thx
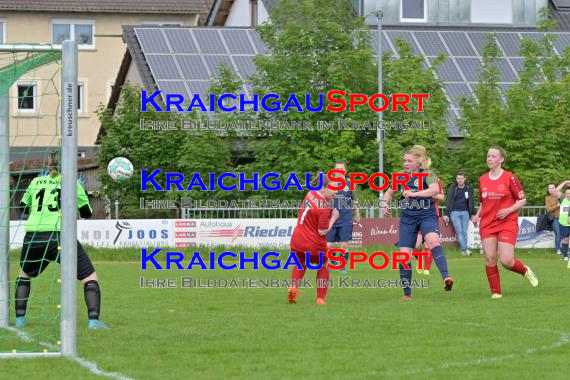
(407, 75)
(176, 151)
(318, 46)
(533, 125)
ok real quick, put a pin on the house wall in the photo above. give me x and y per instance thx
(460, 12)
(98, 67)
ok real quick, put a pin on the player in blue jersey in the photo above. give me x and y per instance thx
(419, 216)
(341, 232)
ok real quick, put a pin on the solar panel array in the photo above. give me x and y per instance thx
(185, 60)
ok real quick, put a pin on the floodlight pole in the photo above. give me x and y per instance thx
(380, 132)
(69, 199)
(4, 212)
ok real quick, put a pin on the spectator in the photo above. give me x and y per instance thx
(460, 208)
(552, 202)
(564, 220)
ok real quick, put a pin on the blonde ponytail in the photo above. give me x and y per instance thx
(419, 152)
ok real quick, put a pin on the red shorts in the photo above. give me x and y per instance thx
(503, 236)
(314, 257)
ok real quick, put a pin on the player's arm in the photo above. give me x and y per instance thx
(324, 221)
(559, 188)
(25, 207)
(388, 195)
(501, 214)
(26, 202)
(335, 214)
(448, 203)
(518, 193)
(440, 195)
(356, 204)
(85, 210)
(477, 217)
(431, 191)
(471, 202)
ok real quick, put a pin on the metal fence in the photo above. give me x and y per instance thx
(239, 213)
(293, 212)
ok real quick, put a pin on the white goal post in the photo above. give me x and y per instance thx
(68, 323)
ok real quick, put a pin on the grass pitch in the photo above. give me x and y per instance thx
(364, 333)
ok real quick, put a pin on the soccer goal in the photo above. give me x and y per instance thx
(38, 118)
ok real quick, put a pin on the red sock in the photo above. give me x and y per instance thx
(428, 260)
(323, 274)
(494, 279)
(518, 267)
(297, 275)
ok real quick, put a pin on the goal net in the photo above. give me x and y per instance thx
(38, 122)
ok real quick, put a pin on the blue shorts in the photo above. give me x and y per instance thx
(564, 231)
(340, 234)
(409, 230)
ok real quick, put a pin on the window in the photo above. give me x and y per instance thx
(253, 11)
(492, 12)
(413, 11)
(26, 97)
(2, 31)
(81, 31)
(80, 97)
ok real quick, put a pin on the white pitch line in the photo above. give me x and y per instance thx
(564, 338)
(91, 366)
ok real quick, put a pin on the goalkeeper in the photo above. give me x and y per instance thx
(42, 243)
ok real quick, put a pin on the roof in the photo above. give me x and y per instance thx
(268, 4)
(109, 6)
(183, 60)
(133, 50)
(562, 17)
(219, 12)
(561, 4)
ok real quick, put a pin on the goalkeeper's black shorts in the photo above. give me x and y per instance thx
(41, 248)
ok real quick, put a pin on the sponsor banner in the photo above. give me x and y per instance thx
(385, 231)
(176, 232)
(379, 231)
(126, 233)
(246, 232)
(255, 233)
(527, 237)
(357, 234)
(112, 233)
(185, 232)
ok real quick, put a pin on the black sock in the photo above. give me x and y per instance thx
(22, 294)
(92, 299)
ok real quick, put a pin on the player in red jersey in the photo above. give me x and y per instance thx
(429, 259)
(309, 236)
(501, 196)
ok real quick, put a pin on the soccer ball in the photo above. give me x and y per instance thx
(120, 169)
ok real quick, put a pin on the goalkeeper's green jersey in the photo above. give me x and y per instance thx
(564, 212)
(43, 198)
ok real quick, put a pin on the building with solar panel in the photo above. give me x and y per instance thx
(96, 26)
(185, 60)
